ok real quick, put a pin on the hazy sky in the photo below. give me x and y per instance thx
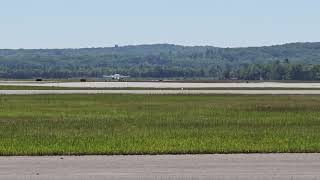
(100, 23)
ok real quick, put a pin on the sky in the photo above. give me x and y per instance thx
(103, 23)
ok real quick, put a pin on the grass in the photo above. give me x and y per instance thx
(158, 124)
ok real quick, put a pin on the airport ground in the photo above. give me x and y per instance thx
(164, 167)
(143, 120)
(186, 85)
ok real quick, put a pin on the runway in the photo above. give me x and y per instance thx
(162, 85)
(163, 92)
(190, 167)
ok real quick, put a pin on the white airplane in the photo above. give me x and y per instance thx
(116, 76)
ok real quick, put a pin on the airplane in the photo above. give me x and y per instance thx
(116, 76)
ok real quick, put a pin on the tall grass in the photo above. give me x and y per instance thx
(158, 124)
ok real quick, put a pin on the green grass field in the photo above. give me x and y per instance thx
(158, 124)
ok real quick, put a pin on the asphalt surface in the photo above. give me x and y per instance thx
(161, 85)
(192, 167)
(244, 92)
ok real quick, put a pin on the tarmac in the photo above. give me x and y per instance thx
(162, 85)
(230, 92)
(163, 167)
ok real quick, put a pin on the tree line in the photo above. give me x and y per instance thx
(297, 61)
(277, 70)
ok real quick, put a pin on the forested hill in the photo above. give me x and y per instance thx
(160, 60)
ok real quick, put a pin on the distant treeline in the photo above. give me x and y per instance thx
(298, 61)
(272, 71)
(275, 71)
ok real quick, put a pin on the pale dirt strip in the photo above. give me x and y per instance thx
(166, 167)
(240, 92)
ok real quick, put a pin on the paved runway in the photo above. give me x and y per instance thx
(192, 167)
(161, 85)
(244, 92)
